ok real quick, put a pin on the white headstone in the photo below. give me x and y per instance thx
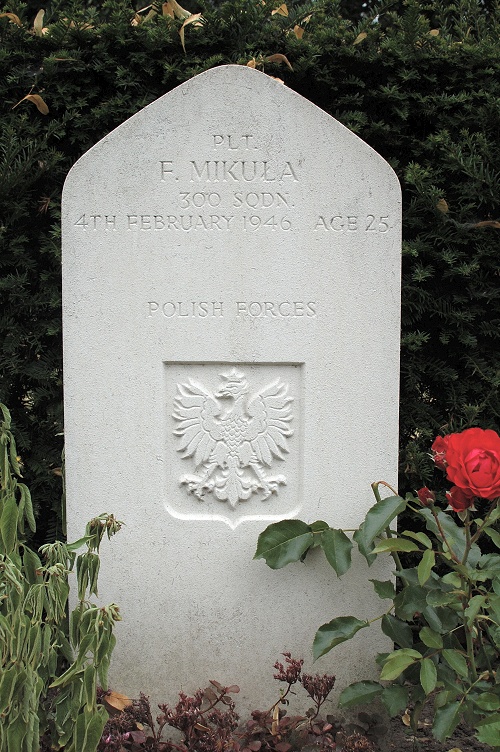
(231, 265)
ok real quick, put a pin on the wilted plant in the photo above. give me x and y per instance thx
(208, 721)
(444, 616)
(50, 665)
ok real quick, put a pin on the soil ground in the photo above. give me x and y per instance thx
(402, 739)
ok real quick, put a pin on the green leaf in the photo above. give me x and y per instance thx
(456, 661)
(424, 569)
(494, 607)
(32, 565)
(28, 506)
(88, 729)
(89, 684)
(359, 693)
(475, 605)
(488, 730)
(430, 638)
(384, 589)
(395, 699)
(490, 735)
(494, 535)
(420, 537)
(336, 631)
(377, 519)
(441, 598)
(399, 632)
(428, 675)
(317, 527)
(395, 544)
(410, 600)
(488, 701)
(8, 524)
(397, 662)
(15, 733)
(337, 548)
(283, 543)
(446, 719)
(454, 534)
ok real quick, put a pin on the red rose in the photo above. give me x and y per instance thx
(473, 462)
(439, 451)
(426, 497)
(458, 499)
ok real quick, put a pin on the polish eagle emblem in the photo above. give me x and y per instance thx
(232, 436)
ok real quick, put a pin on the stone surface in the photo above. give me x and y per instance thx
(231, 265)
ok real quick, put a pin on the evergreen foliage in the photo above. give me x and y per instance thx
(419, 81)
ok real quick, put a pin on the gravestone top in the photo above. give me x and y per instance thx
(231, 265)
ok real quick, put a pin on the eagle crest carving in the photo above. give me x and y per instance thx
(233, 437)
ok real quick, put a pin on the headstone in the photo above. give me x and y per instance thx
(231, 264)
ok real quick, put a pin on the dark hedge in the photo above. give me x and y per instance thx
(419, 81)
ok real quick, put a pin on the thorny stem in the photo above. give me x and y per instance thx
(468, 543)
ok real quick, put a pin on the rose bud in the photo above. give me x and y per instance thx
(458, 499)
(426, 496)
(438, 449)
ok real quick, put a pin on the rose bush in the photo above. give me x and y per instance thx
(444, 613)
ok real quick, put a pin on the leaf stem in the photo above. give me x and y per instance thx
(481, 528)
(443, 536)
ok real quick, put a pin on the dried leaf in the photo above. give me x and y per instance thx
(234, 689)
(279, 59)
(298, 31)
(488, 223)
(200, 727)
(136, 20)
(179, 12)
(455, 749)
(442, 206)
(167, 10)
(406, 718)
(434, 33)
(279, 80)
(57, 470)
(37, 101)
(194, 19)
(282, 10)
(360, 37)
(114, 701)
(252, 63)
(12, 18)
(276, 721)
(38, 24)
